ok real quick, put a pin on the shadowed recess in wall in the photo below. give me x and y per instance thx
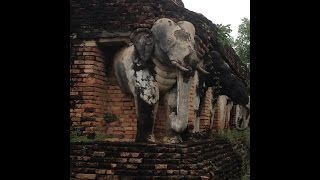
(109, 50)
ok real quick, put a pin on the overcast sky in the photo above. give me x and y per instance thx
(221, 11)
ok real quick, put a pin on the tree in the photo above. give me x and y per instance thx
(242, 43)
(224, 36)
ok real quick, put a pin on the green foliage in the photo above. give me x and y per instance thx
(109, 117)
(224, 36)
(76, 136)
(246, 176)
(98, 137)
(241, 143)
(242, 43)
(235, 135)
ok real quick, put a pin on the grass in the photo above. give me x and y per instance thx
(236, 137)
(246, 176)
(75, 136)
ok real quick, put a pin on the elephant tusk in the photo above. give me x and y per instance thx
(180, 67)
(202, 70)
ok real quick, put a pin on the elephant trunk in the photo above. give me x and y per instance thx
(180, 122)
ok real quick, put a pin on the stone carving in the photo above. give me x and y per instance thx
(160, 63)
(241, 117)
(230, 88)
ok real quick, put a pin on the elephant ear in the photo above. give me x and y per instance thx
(143, 42)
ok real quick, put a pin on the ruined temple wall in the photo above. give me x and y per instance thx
(192, 105)
(100, 18)
(209, 159)
(160, 123)
(94, 92)
(85, 66)
(206, 113)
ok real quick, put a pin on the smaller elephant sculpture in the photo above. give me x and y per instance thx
(242, 117)
(221, 75)
(224, 82)
(159, 64)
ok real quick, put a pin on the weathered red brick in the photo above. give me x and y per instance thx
(86, 176)
(160, 166)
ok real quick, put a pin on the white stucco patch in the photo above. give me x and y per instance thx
(147, 86)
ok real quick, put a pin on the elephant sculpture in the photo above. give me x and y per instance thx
(241, 117)
(225, 83)
(225, 108)
(160, 63)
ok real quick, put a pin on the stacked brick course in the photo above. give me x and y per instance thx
(204, 159)
(206, 113)
(95, 92)
(99, 18)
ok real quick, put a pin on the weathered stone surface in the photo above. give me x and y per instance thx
(86, 176)
(160, 166)
(91, 90)
(110, 171)
(131, 166)
(174, 166)
(183, 172)
(175, 156)
(124, 154)
(135, 155)
(174, 172)
(98, 154)
(135, 160)
(220, 157)
(100, 171)
(113, 165)
(122, 160)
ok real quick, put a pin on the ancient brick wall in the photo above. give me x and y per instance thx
(99, 18)
(214, 159)
(111, 19)
(206, 113)
(233, 117)
(86, 63)
(94, 91)
(219, 120)
(160, 123)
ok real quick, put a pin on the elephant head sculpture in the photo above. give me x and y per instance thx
(220, 75)
(160, 63)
